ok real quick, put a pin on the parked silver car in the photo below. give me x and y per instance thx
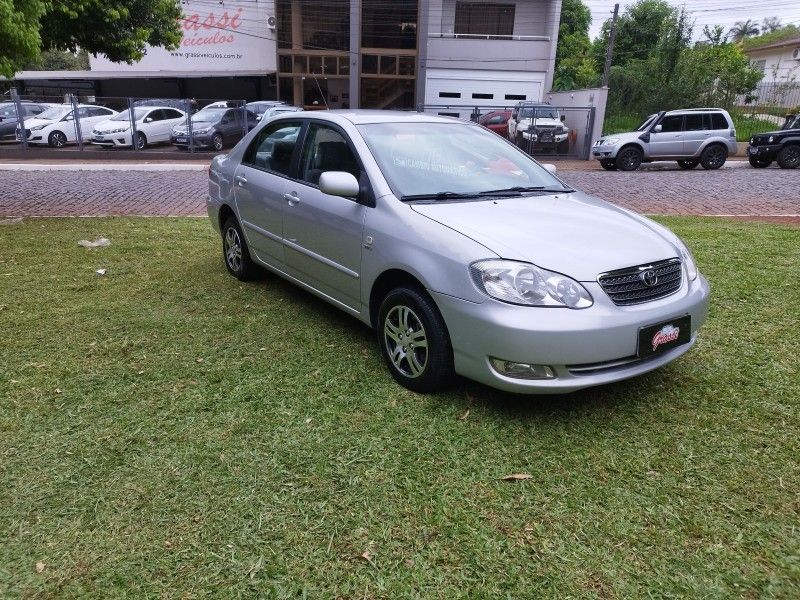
(697, 136)
(463, 253)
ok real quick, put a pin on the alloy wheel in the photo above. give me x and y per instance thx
(789, 157)
(216, 142)
(714, 157)
(233, 249)
(629, 159)
(58, 139)
(406, 341)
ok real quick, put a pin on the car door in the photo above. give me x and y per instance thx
(171, 118)
(697, 129)
(260, 182)
(90, 116)
(668, 141)
(322, 233)
(229, 125)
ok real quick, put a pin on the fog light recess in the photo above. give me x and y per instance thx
(519, 370)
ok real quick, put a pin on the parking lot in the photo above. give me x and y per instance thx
(736, 190)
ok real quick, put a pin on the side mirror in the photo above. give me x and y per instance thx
(551, 168)
(339, 183)
(658, 129)
(563, 118)
(69, 118)
(148, 120)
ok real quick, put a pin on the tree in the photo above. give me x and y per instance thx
(743, 29)
(770, 24)
(119, 29)
(715, 35)
(574, 65)
(639, 29)
(60, 60)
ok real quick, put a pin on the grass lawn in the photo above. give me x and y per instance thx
(166, 431)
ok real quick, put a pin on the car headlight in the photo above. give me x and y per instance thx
(611, 141)
(526, 284)
(38, 127)
(688, 260)
(201, 131)
(771, 139)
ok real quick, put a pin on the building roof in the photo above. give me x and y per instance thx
(795, 41)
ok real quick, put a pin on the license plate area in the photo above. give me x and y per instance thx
(664, 336)
(181, 140)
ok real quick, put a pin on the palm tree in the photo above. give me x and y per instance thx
(770, 24)
(743, 29)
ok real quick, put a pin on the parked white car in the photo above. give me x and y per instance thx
(276, 110)
(56, 126)
(153, 126)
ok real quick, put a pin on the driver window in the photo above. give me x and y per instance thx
(672, 124)
(273, 147)
(326, 150)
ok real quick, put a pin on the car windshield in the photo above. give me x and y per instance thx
(448, 159)
(538, 113)
(53, 113)
(125, 115)
(646, 123)
(793, 123)
(209, 115)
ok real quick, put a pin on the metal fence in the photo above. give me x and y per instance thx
(158, 125)
(566, 136)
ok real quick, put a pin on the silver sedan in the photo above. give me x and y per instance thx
(461, 252)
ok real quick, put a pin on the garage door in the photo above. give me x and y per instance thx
(467, 88)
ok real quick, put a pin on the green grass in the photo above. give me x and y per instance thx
(166, 431)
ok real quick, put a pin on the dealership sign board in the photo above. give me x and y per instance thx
(228, 37)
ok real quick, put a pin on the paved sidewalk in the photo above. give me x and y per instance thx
(728, 192)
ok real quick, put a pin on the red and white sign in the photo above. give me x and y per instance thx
(231, 37)
(665, 335)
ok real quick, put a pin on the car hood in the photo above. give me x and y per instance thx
(203, 124)
(36, 121)
(627, 136)
(778, 132)
(574, 234)
(541, 122)
(111, 125)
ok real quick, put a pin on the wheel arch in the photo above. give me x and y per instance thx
(224, 213)
(387, 281)
(636, 145)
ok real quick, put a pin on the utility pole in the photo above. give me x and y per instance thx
(610, 50)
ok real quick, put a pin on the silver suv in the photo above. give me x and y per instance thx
(696, 136)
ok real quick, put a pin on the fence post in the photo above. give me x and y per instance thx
(20, 118)
(189, 124)
(245, 124)
(76, 121)
(132, 119)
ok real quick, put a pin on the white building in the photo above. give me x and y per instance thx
(779, 61)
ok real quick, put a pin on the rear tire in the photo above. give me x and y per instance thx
(236, 253)
(688, 164)
(759, 163)
(608, 165)
(789, 157)
(713, 157)
(629, 158)
(414, 341)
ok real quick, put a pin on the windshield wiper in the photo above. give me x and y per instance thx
(439, 196)
(519, 190)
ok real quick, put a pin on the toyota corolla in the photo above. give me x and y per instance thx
(462, 253)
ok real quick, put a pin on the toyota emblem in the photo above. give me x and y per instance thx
(649, 278)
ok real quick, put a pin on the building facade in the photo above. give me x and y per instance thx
(380, 54)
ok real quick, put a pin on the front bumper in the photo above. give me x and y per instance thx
(769, 152)
(111, 140)
(584, 348)
(606, 152)
(536, 138)
(201, 140)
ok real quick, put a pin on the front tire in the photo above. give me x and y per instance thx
(235, 252)
(713, 157)
(141, 141)
(414, 341)
(688, 164)
(57, 139)
(217, 142)
(759, 163)
(789, 157)
(629, 159)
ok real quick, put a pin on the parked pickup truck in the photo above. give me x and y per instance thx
(782, 145)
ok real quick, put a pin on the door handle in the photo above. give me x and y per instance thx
(240, 180)
(292, 198)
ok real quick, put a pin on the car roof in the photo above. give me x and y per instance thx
(367, 116)
(691, 110)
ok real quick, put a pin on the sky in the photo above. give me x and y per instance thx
(708, 12)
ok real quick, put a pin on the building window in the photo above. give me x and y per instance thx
(760, 65)
(449, 95)
(483, 96)
(477, 18)
(516, 97)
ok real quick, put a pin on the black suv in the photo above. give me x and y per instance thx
(783, 146)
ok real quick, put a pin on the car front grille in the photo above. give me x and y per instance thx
(643, 283)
